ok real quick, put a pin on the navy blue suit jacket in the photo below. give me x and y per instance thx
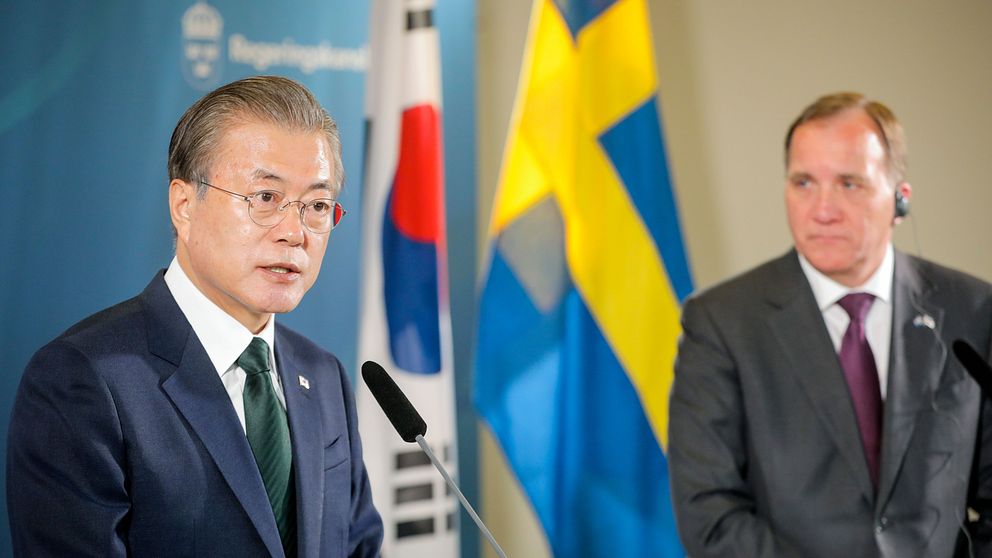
(123, 442)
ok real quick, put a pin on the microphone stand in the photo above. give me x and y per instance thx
(454, 487)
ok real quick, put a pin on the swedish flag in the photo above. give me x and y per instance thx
(579, 314)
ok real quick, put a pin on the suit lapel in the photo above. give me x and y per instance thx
(305, 430)
(916, 360)
(200, 397)
(797, 324)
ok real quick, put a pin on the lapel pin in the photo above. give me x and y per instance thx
(304, 383)
(924, 320)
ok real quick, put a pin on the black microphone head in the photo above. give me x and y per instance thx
(400, 412)
(973, 362)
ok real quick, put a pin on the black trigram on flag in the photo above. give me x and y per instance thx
(422, 502)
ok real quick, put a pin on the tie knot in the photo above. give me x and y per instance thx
(255, 359)
(857, 305)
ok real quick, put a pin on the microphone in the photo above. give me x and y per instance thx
(400, 412)
(411, 427)
(976, 366)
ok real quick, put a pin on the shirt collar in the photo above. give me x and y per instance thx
(828, 292)
(223, 337)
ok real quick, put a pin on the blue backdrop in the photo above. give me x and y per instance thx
(89, 97)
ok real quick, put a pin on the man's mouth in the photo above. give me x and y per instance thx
(282, 268)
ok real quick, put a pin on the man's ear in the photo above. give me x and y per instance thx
(903, 193)
(182, 200)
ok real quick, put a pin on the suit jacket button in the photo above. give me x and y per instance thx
(883, 522)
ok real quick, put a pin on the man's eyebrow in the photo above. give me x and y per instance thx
(852, 177)
(332, 191)
(267, 175)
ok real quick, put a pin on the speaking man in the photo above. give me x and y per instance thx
(816, 410)
(185, 421)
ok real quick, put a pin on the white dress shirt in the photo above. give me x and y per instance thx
(223, 337)
(878, 324)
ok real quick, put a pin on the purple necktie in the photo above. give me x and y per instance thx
(862, 378)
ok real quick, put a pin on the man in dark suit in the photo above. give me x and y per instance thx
(185, 421)
(816, 410)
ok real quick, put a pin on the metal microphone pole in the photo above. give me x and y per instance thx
(451, 484)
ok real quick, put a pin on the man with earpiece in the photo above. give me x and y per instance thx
(816, 410)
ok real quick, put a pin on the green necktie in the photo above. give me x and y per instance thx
(268, 435)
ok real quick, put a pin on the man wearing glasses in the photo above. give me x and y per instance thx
(185, 422)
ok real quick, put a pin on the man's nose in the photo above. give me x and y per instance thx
(291, 228)
(826, 204)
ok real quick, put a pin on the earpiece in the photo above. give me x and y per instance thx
(902, 205)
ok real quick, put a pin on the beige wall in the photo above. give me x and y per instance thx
(733, 75)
